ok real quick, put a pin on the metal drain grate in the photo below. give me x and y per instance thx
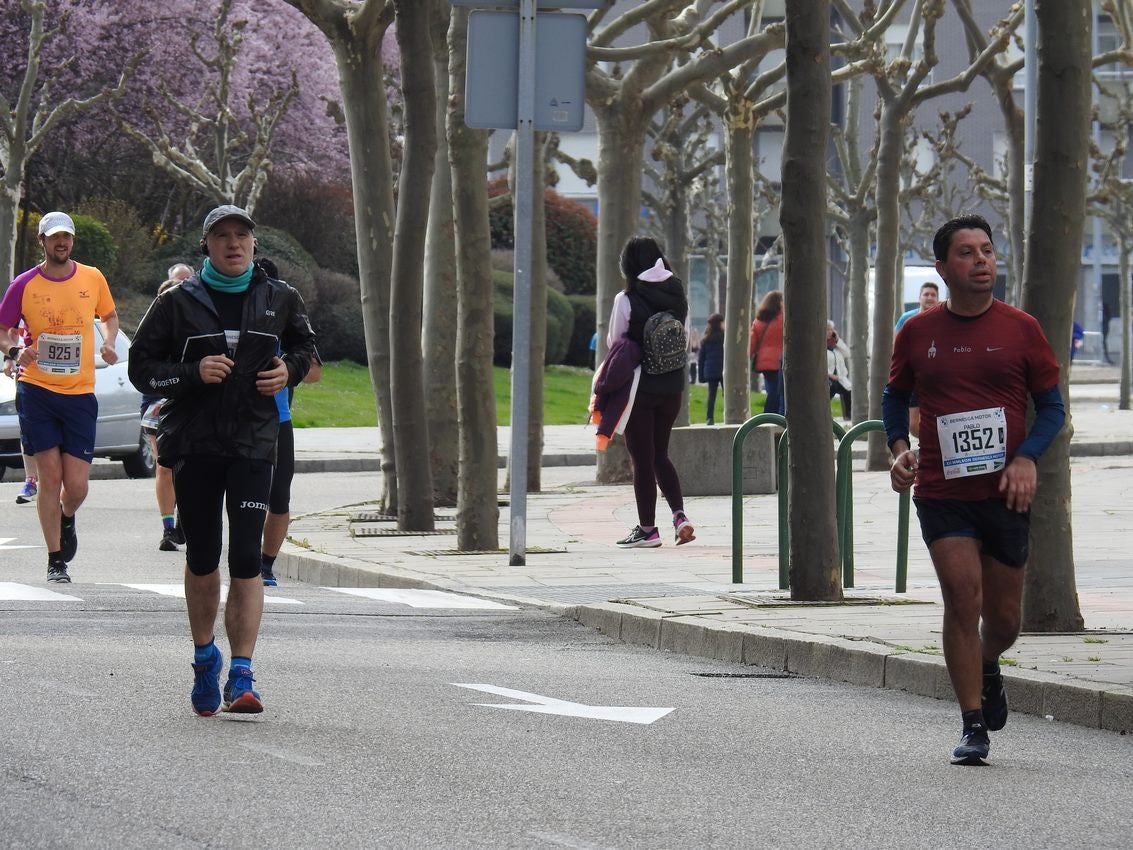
(530, 550)
(393, 532)
(376, 516)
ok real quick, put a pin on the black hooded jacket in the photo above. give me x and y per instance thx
(232, 418)
(645, 299)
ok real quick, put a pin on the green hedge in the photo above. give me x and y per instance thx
(572, 237)
(585, 323)
(560, 322)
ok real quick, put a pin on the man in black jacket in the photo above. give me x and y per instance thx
(209, 346)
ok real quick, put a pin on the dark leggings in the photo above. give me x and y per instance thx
(713, 385)
(773, 384)
(647, 438)
(206, 485)
(280, 500)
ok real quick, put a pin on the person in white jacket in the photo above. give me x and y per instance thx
(838, 368)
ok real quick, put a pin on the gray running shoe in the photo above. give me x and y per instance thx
(57, 572)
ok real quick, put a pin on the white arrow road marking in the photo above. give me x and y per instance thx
(10, 591)
(4, 541)
(178, 590)
(550, 705)
(423, 598)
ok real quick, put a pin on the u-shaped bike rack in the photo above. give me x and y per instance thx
(844, 503)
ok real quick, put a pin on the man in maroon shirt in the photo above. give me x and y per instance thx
(973, 364)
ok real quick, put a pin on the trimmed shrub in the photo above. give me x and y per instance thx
(319, 215)
(94, 245)
(336, 295)
(572, 244)
(336, 288)
(560, 326)
(560, 322)
(572, 237)
(133, 241)
(585, 324)
(340, 333)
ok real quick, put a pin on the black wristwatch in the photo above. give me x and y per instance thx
(13, 353)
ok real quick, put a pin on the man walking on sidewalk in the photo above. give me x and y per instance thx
(58, 300)
(973, 365)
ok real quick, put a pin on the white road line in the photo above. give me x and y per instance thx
(423, 598)
(550, 705)
(178, 590)
(4, 541)
(12, 592)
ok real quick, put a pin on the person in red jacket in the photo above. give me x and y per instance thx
(765, 349)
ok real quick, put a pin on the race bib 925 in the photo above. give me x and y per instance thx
(60, 354)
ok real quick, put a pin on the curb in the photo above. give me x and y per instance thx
(854, 662)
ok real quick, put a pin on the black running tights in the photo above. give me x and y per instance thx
(205, 486)
(647, 438)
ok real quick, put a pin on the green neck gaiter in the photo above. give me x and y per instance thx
(222, 282)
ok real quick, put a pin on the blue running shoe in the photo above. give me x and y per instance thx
(269, 577)
(206, 685)
(239, 698)
(28, 493)
(974, 746)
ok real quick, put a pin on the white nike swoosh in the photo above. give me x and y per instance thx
(999, 348)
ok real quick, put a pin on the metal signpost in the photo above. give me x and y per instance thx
(504, 74)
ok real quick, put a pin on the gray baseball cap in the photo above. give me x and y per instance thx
(226, 211)
(56, 222)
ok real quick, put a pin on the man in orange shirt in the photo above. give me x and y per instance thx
(59, 300)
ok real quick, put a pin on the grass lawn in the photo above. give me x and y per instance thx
(344, 398)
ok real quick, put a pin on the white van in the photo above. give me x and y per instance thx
(915, 277)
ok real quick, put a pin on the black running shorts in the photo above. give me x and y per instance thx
(1003, 534)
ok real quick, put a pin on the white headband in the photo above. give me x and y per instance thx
(656, 274)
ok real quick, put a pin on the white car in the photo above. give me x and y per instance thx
(119, 435)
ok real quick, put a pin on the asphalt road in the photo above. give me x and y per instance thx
(371, 737)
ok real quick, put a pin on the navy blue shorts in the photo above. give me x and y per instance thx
(1003, 534)
(49, 420)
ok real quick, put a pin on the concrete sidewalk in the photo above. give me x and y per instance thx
(683, 600)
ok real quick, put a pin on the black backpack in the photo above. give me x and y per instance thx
(665, 344)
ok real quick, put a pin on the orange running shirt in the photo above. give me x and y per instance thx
(59, 315)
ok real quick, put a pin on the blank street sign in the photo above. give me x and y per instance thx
(539, 4)
(492, 88)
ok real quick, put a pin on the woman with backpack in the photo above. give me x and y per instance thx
(652, 311)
